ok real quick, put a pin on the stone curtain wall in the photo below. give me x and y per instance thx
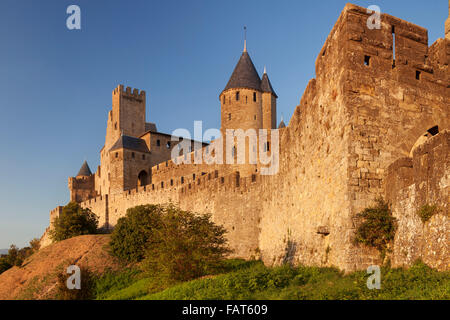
(360, 114)
(412, 183)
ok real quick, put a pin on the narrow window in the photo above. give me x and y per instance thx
(158, 143)
(255, 117)
(367, 60)
(143, 157)
(237, 96)
(162, 184)
(418, 73)
(229, 116)
(393, 47)
(115, 126)
(132, 155)
(254, 96)
(168, 145)
(171, 182)
(117, 154)
(193, 176)
(245, 99)
(182, 180)
(268, 146)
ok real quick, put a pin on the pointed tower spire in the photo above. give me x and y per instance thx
(281, 125)
(266, 86)
(85, 171)
(245, 38)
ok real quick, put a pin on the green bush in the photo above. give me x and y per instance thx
(185, 246)
(4, 264)
(133, 232)
(378, 226)
(426, 211)
(16, 256)
(86, 291)
(73, 221)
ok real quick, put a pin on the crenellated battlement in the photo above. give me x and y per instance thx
(129, 92)
(398, 50)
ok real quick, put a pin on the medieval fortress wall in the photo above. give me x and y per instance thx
(372, 123)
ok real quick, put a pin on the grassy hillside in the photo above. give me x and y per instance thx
(252, 280)
(37, 277)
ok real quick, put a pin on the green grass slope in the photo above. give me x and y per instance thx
(252, 280)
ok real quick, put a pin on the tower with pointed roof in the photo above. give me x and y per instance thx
(269, 103)
(82, 186)
(247, 102)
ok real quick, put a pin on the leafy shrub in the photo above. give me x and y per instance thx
(426, 211)
(86, 291)
(16, 256)
(378, 226)
(185, 246)
(73, 221)
(133, 232)
(4, 264)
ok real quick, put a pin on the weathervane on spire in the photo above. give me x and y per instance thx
(245, 38)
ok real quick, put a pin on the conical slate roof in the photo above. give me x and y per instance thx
(266, 86)
(84, 170)
(244, 75)
(281, 125)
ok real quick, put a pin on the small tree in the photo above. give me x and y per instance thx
(378, 226)
(4, 264)
(35, 244)
(73, 221)
(133, 232)
(186, 246)
(13, 257)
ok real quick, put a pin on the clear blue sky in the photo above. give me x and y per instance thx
(56, 84)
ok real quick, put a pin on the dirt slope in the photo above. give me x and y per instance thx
(36, 278)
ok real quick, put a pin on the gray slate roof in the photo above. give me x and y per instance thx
(130, 143)
(281, 125)
(266, 86)
(84, 170)
(244, 75)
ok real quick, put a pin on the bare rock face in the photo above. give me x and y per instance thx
(37, 277)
